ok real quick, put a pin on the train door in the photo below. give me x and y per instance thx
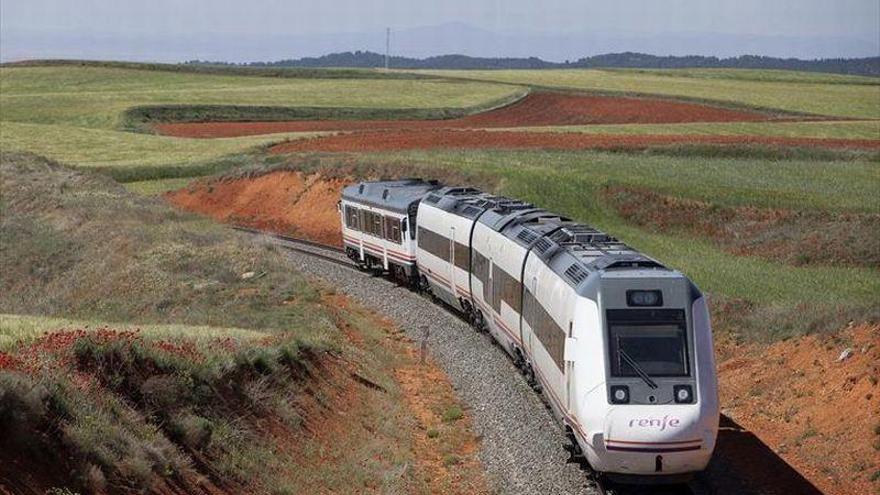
(490, 299)
(532, 286)
(383, 236)
(452, 262)
(569, 364)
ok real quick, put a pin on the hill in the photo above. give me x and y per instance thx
(869, 66)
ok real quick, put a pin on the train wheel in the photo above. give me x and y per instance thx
(531, 379)
(519, 361)
(479, 323)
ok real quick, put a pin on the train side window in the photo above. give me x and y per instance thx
(434, 243)
(363, 226)
(548, 332)
(395, 230)
(377, 225)
(351, 217)
(392, 229)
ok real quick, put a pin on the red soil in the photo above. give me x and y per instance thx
(436, 138)
(284, 202)
(820, 414)
(537, 109)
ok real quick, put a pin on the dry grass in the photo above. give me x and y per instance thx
(78, 245)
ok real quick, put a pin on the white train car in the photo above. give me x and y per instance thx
(378, 224)
(445, 223)
(620, 345)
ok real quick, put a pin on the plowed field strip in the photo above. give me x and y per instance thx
(537, 109)
(437, 138)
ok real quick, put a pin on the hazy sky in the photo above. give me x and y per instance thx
(119, 19)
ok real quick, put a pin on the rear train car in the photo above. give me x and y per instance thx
(378, 224)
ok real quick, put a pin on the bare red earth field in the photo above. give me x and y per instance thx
(537, 109)
(478, 139)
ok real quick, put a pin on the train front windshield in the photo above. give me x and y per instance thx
(653, 342)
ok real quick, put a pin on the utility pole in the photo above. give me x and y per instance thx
(387, 46)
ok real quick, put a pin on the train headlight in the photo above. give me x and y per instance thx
(684, 394)
(619, 394)
(644, 298)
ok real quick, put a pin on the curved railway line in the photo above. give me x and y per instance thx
(305, 246)
(336, 256)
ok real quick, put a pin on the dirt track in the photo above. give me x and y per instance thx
(537, 109)
(480, 139)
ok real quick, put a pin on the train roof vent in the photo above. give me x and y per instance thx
(640, 263)
(543, 245)
(432, 199)
(575, 273)
(527, 236)
(506, 206)
(460, 191)
(470, 211)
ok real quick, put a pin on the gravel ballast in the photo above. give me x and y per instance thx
(522, 444)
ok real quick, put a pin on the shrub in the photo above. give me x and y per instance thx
(23, 401)
(452, 413)
(165, 392)
(191, 430)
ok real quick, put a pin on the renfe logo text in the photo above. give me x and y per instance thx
(656, 423)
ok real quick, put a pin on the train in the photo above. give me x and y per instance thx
(618, 344)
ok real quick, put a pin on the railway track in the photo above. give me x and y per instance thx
(305, 246)
(336, 255)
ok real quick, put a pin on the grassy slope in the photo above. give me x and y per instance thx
(173, 268)
(793, 299)
(838, 96)
(220, 381)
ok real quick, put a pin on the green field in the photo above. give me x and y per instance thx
(570, 183)
(74, 114)
(95, 97)
(102, 148)
(840, 96)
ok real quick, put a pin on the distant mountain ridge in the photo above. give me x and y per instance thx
(869, 66)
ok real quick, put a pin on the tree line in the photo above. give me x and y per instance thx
(869, 66)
